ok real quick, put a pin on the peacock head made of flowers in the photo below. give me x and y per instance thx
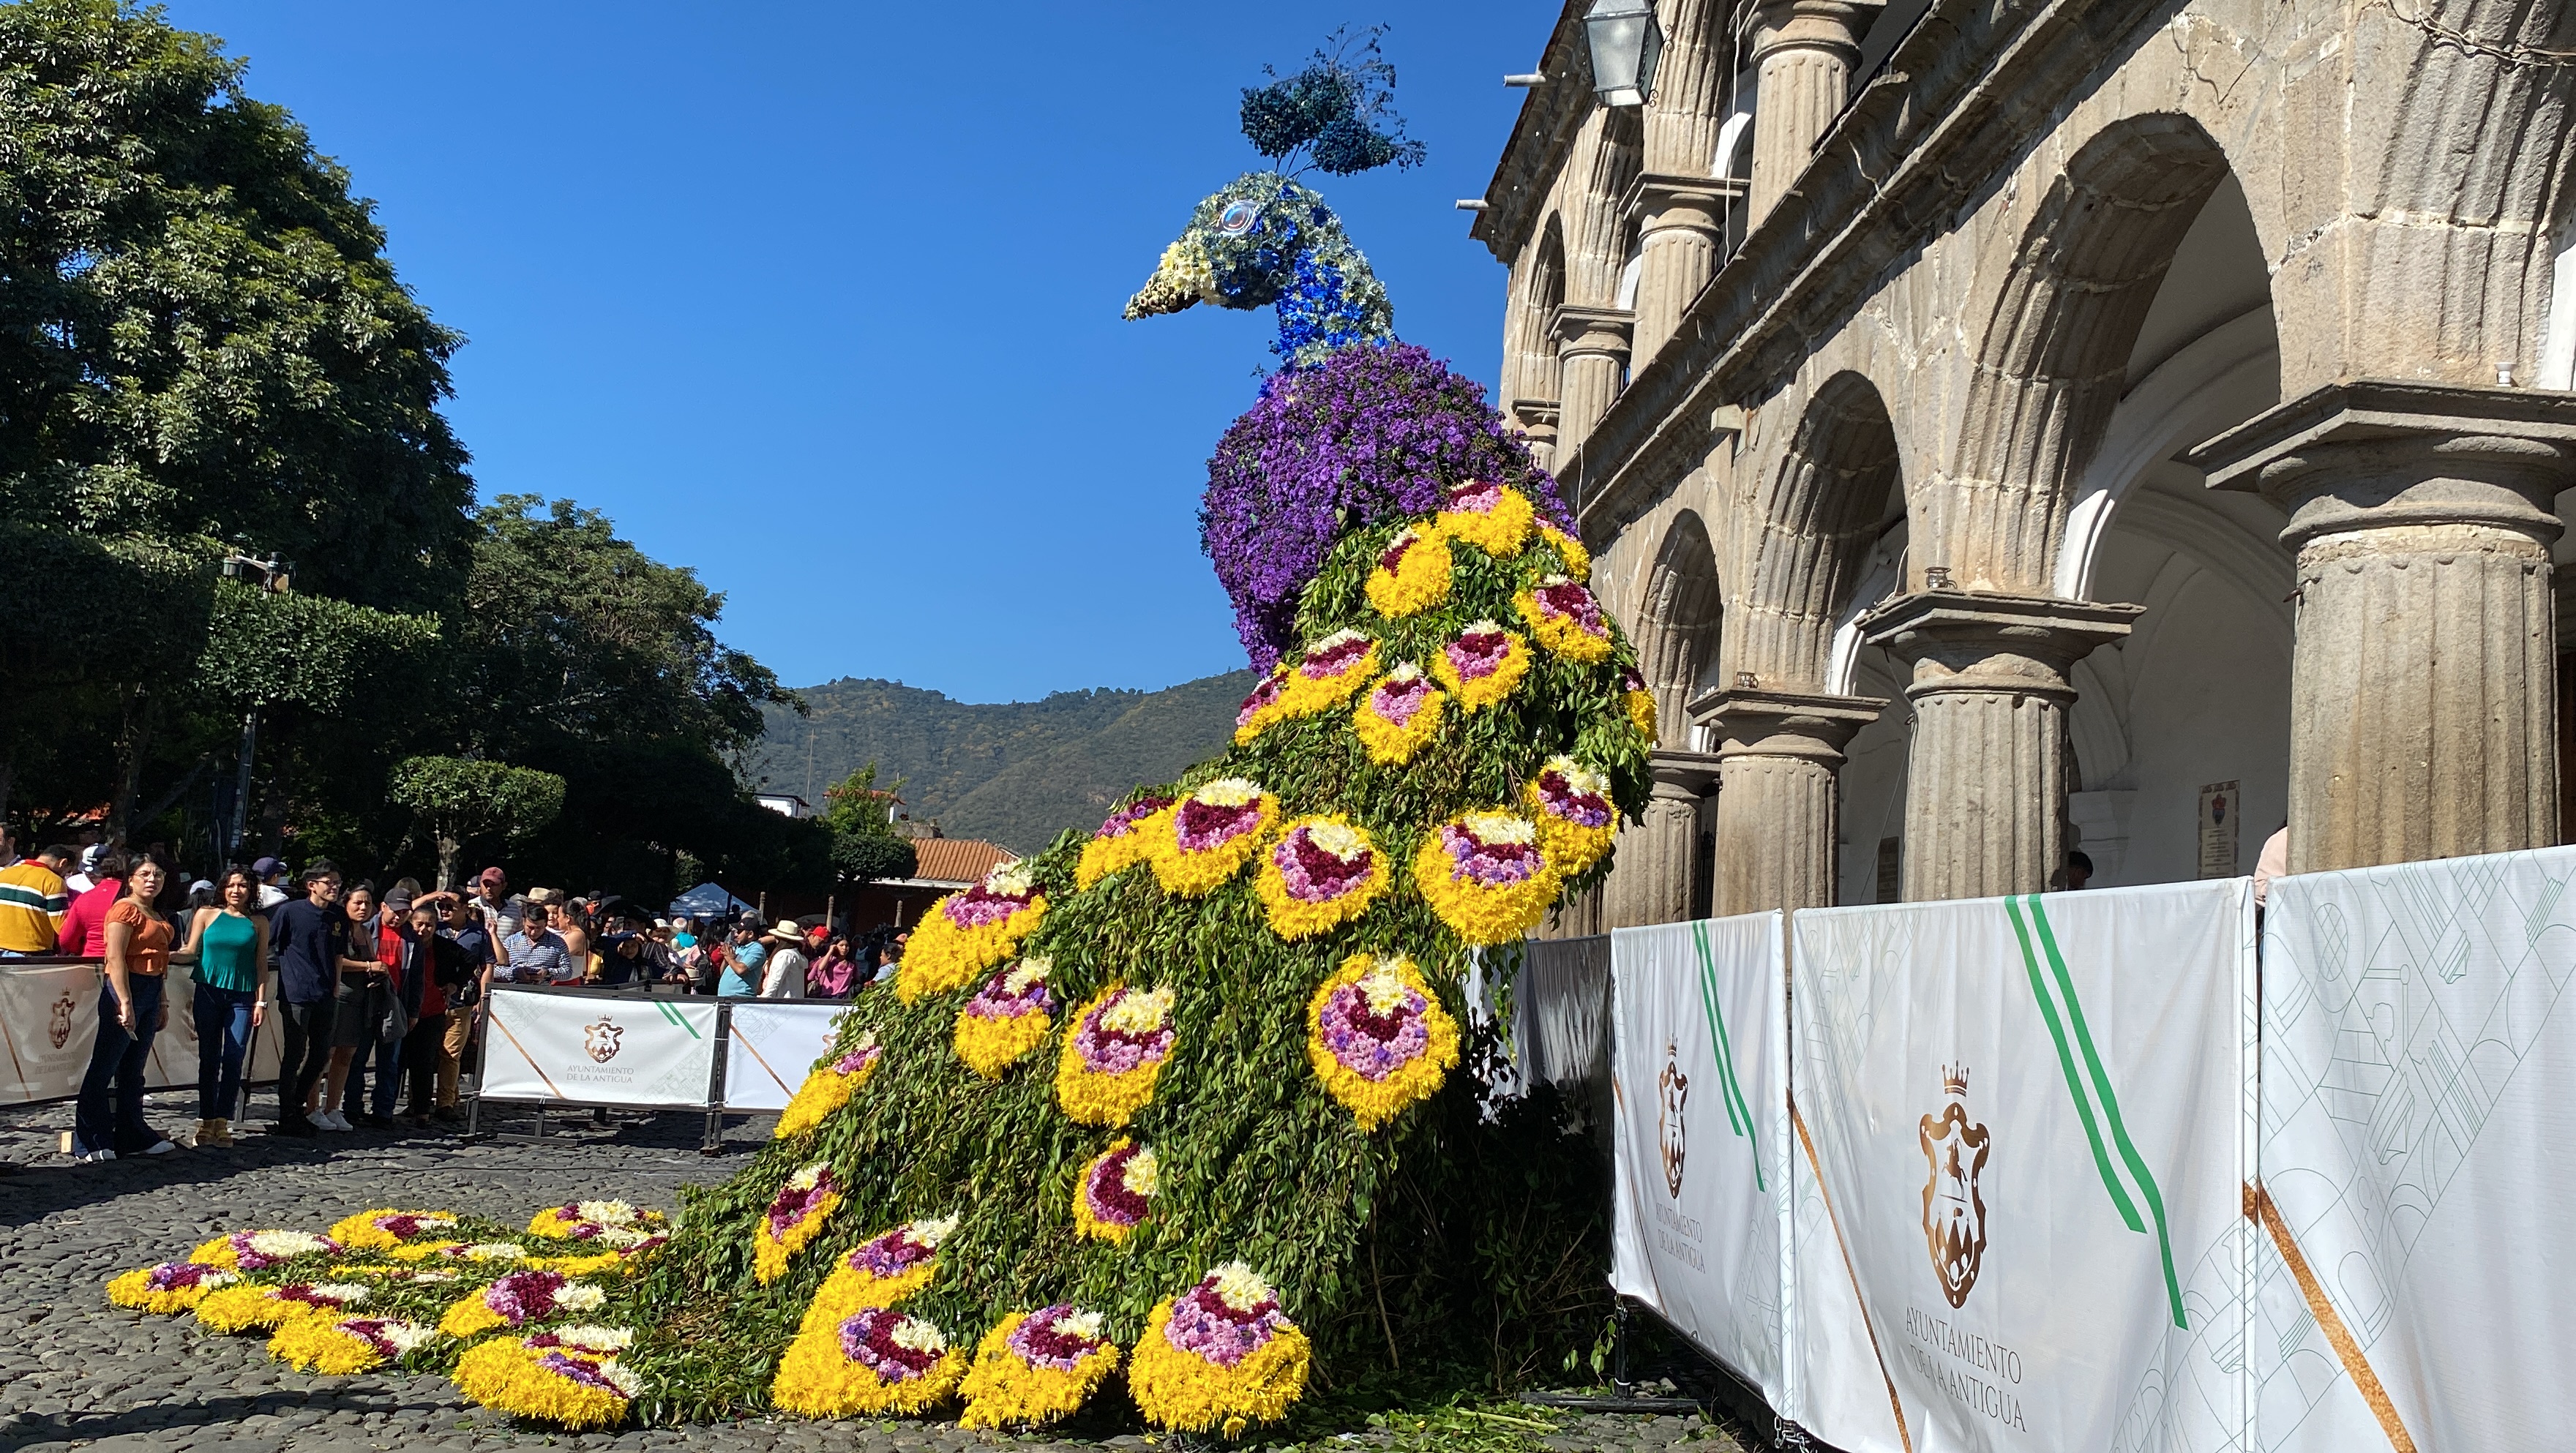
(1263, 240)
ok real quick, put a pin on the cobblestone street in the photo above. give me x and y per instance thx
(77, 1373)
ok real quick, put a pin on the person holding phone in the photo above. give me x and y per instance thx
(131, 1009)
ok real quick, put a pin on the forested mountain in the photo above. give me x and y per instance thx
(1016, 772)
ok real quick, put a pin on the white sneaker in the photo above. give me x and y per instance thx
(93, 1157)
(331, 1120)
(162, 1147)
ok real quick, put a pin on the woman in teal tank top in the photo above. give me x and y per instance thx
(230, 948)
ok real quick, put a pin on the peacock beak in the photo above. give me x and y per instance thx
(1182, 278)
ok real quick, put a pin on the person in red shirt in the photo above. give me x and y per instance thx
(84, 932)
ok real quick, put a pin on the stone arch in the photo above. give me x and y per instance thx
(1596, 233)
(1542, 292)
(1676, 624)
(1814, 519)
(2051, 361)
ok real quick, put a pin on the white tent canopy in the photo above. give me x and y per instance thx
(709, 900)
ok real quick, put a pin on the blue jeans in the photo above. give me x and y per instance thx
(118, 1059)
(381, 1092)
(223, 1042)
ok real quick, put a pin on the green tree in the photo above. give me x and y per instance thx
(202, 349)
(464, 800)
(865, 846)
(576, 653)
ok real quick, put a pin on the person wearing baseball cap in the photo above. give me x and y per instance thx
(270, 875)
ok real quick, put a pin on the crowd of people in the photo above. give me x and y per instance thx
(380, 994)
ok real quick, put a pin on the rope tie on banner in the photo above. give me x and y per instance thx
(2099, 1082)
(2259, 1208)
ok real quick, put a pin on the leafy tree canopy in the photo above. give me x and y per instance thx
(466, 800)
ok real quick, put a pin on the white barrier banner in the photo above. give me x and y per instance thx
(2029, 1119)
(1699, 1071)
(598, 1049)
(2419, 1158)
(49, 1025)
(770, 1047)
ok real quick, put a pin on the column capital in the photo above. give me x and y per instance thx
(2371, 454)
(1681, 775)
(1827, 25)
(1971, 641)
(1808, 726)
(1582, 331)
(1535, 414)
(1662, 201)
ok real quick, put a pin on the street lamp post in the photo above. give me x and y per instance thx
(272, 578)
(1626, 42)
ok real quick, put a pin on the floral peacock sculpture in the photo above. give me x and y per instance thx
(1175, 1110)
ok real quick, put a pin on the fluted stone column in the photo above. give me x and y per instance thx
(1803, 54)
(2423, 693)
(1592, 363)
(1655, 877)
(1537, 421)
(1681, 231)
(1985, 782)
(1779, 803)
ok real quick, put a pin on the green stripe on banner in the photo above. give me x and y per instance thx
(678, 1018)
(2110, 1105)
(2074, 1079)
(1738, 1114)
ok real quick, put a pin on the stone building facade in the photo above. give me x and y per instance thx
(2007, 425)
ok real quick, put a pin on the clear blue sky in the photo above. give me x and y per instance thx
(823, 299)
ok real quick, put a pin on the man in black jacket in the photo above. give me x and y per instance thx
(309, 934)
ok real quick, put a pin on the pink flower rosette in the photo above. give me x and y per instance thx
(1117, 1048)
(1007, 1018)
(1495, 518)
(1115, 1190)
(1332, 672)
(1211, 834)
(1576, 820)
(880, 1272)
(1486, 875)
(1399, 716)
(1566, 618)
(873, 1361)
(1268, 703)
(1321, 873)
(1220, 1355)
(1481, 665)
(1123, 841)
(1377, 1038)
(517, 1299)
(966, 933)
(795, 1217)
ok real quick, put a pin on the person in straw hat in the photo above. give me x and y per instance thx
(783, 973)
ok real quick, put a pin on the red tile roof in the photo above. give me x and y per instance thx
(958, 859)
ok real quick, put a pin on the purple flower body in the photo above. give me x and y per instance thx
(1366, 436)
(1583, 809)
(995, 1001)
(1111, 1199)
(175, 1275)
(856, 1060)
(1199, 826)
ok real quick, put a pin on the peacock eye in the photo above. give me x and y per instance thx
(1237, 218)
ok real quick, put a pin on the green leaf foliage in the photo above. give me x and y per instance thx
(1475, 1241)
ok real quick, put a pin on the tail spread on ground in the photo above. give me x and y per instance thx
(1152, 1110)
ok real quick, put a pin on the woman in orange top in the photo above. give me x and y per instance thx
(131, 1010)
